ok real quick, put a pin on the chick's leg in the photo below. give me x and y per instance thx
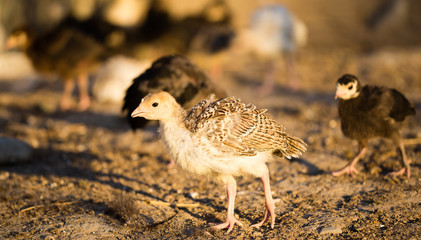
(231, 192)
(269, 78)
(269, 201)
(405, 161)
(66, 97)
(350, 168)
(84, 99)
(293, 81)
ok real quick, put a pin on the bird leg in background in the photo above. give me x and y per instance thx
(350, 168)
(405, 161)
(269, 78)
(171, 164)
(231, 192)
(215, 71)
(66, 97)
(292, 75)
(84, 99)
(270, 75)
(270, 203)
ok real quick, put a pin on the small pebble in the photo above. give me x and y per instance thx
(333, 123)
(331, 230)
(14, 151)
(194, 195)
(4, 175)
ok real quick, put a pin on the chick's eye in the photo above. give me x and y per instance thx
(350, 87)
(155, 104)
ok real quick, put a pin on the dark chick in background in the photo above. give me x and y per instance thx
(65, 51)
(370, 111)
(175, 74)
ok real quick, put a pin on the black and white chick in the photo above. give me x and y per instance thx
(370, 111)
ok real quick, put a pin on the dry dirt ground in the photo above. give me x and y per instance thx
(91, 177)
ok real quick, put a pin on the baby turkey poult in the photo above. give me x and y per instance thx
(370, 111)
(66, 51)
(222, 139)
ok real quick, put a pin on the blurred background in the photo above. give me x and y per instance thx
(335, 36)
(66, 150)
(250, 49)
(359, 24)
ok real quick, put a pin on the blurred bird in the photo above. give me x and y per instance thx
(274, 32)
(66, 52)
(211, 31)
(175, 74)
(369, 111)
(222, 139)
(115, 76)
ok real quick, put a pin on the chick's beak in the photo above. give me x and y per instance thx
(338, 94)
(138, 112)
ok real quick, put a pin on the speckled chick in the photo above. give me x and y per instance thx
(222, 139)
(369, 111)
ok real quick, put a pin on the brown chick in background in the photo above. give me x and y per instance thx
(64, 51)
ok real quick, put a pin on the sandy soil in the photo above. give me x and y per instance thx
(91, 177)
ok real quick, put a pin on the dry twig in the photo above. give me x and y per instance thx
(43, 205)
(412, 141)
(178, 205)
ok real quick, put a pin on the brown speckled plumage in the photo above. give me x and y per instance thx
(242, 129)
(221, 138)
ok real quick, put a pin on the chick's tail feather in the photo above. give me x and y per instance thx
(295, 147)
